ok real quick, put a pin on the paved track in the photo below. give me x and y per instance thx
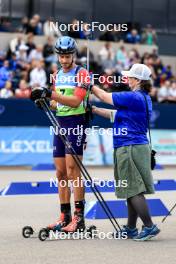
(39, 210)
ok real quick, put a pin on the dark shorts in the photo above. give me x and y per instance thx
(73, 127)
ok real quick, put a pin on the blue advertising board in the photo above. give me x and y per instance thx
(22, 112)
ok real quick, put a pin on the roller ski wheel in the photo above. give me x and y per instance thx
(91, 229)
(27, 231)
(43, 234)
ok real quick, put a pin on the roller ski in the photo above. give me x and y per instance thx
(63, 221)
(76, 225)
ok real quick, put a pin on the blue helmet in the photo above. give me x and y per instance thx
(65, 45)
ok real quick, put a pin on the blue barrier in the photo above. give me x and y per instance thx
(159, 167)
(45, 166)
(95, 211)
(26, 188)
(46, 187)
(119, 209)
(165, 185)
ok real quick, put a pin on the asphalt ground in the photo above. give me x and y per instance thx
(40, 210)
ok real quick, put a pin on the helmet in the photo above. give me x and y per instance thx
(65, 45)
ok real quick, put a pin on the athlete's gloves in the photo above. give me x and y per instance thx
(38, 104)
(40, 93)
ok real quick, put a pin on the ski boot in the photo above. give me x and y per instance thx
(63, 221)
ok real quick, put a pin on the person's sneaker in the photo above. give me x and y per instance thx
(63, 220)
(127, 232)
(147, 233)
(77, 223)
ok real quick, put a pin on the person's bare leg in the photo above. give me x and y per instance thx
(74, 174)
(61, 173)
(64, 195)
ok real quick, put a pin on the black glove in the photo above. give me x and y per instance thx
(40, 92)
(39, 105)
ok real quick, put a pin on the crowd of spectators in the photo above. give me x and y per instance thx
(146, 36)
(34, 25)
(26, 64)
(163, 79)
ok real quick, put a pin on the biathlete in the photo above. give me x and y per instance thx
(69, 98)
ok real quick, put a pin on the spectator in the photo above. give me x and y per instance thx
(154, 94)
(16, 42)
(30, 43)
(164, 92)
(13, 62)
(38, 28)
(155, 53)
(22, 57)
(48, 51)
(74, 31)
(49, 29)
(85, 33)
(122, 60)
(108, 63)
(149, 61)
(118, 36)
(38, 75)
(107, 36)
(160, 72)
(24, 25)
(133, 37)
(144, 57)
(32, 27)
(133, 56)
(4, 74)
(172, 93)
(7, 91)
(167, 70)
(23, 91)
(36, 54)
(149, 36)
(106, 52)
(113, 35)
(22, 53)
